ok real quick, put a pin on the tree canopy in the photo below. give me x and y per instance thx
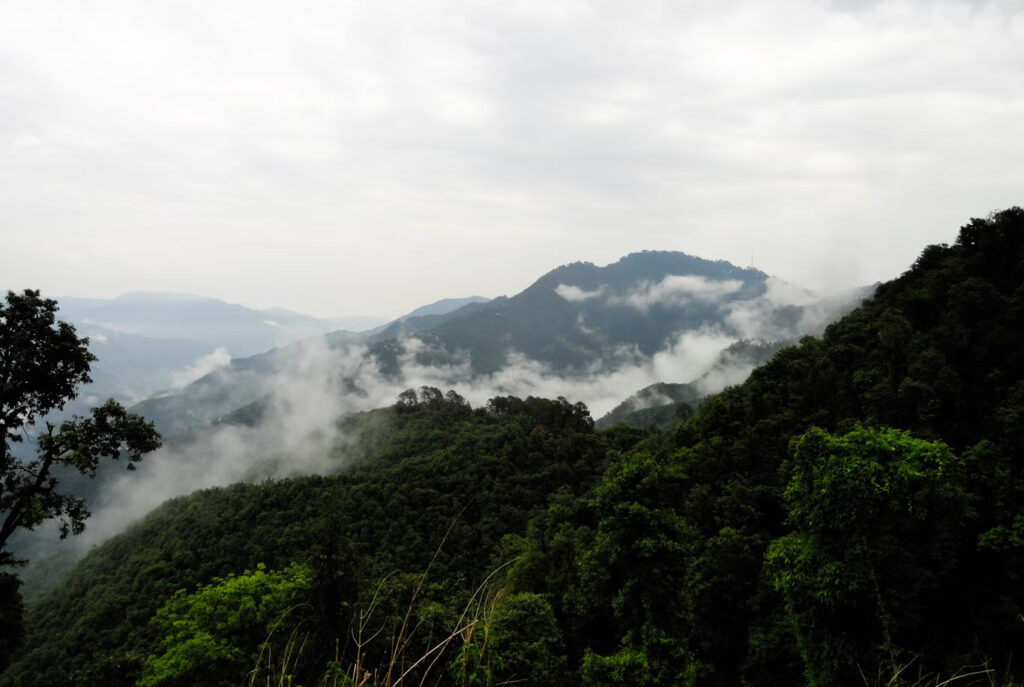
(43, 363)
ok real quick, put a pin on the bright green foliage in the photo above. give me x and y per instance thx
(877, 517)
(637, 561)
(217, 634)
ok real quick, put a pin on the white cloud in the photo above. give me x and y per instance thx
(581, 325)
(781, 292)
(299, 434)
(213, 360)
(574, 294)
(786, 312)
(678, 290)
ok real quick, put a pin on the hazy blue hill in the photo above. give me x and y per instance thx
(217, 393)
(444, 306)
(245, 380)
(242, 331)
(130, 366)
(358, 323)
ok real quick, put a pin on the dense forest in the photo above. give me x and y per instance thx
(851, 514)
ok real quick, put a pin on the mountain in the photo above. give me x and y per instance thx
(217, 393)
(148, 343)
(241, 331)
(244, 380)
(583, 318)
(427, 317)
(654, 316)
(578, 320)
(855, 506)
(581, 315)
(443, 306)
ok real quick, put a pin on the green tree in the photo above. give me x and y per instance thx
(42, 364)
(878, 517)
(526, 637)
(223, 630)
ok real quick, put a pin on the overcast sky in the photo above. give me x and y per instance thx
(347, 158)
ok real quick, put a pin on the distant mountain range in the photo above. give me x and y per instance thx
(649, 311)
(241, 331)
(151, 343)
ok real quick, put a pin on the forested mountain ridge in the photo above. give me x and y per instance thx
(579, 315)
(577, 320)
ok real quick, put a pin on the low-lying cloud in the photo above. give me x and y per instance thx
(575, 294)
(298, 431)
(678, 290)
(214, 360)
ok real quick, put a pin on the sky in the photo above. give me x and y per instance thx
(342, 157)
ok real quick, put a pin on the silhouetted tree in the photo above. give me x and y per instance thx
(42, 364)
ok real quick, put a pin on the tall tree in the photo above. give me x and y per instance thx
(42, 364)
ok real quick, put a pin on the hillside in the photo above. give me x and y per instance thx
(421, 469)
(853, 507)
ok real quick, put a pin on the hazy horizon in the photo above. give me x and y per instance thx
(366, 158)
(371, 315)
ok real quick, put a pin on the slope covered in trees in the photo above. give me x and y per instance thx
(434, 471)
(839, 553)
(855, 507)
